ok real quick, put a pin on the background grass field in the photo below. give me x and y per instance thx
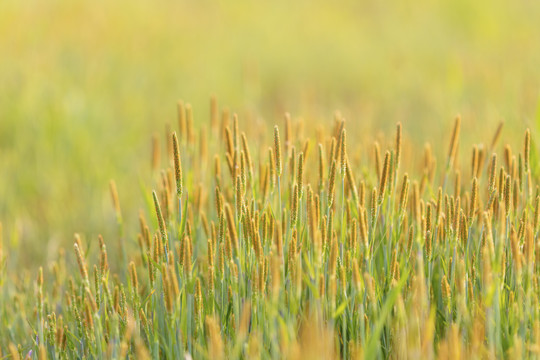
(84, 86)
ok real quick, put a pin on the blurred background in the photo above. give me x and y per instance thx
(84, 85)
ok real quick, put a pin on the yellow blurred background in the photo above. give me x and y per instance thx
(84, 84)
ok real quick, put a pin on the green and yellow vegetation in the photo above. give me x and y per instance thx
(300, 246)
(267, 225)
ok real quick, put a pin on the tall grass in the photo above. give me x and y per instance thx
(268, 249)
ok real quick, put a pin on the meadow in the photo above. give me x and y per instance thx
(212, 180)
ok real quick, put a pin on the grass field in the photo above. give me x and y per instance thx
(346, 238)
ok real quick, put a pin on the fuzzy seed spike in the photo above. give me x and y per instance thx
(177, 165)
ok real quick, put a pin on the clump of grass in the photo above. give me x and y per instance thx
(271, 261)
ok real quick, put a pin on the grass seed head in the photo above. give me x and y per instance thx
(507, 194)
(343, 152)
(82, 263)
(527, 149)
(294, 205)
(384, 176)
(115, 200)
(300, 175)
(454, 142)
(445, 289)
(161, 220)
(321, 165)
(331, 184)
(277, 152)
(474, 199)
(177, 166)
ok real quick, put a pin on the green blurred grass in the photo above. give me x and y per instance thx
(84, 84)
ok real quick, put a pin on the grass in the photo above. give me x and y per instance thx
(298, 254)
(373, 248)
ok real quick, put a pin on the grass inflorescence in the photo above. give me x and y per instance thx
(281, 257)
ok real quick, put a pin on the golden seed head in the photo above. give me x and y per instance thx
(507, 194)
(333, 149)
(177, 165)
(428, 217)
(357, 278)
(133, 276)
(292, 161)
(445, 289)
(116, 202)
(157, 249)
(187, 255)
(88, 316)
(492, 172)
(454, 141)
(161, 220)
(364, 229)
(343, 148)
(508, 157)
(243, 171)
(306, 149)
(474, 162)
(210, 252)
(247, 153)
(351, 182)
(321, 165)
(40, 291)
(198, 299)
(331, 183)
(294, 207)
(82, 263)
(428, 244)
(384, 177)
(272, 167)
(236, 132)
(404, 193)
(398, 144)
(239, 197)
(464, 232)
(329, 228)
(151, 268)
(167, 293)
(527, 149)
(300, 174)
(229, 141)
(103, 261)
(40, 277)
(277, 151)
(474, 198)
(231, 225)
(377, 154)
